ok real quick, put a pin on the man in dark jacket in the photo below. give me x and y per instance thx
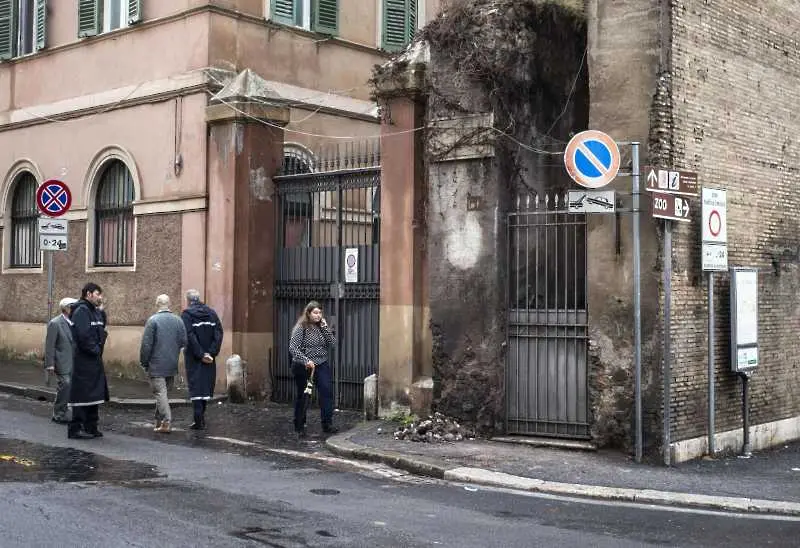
(89, 387)
(204, 340)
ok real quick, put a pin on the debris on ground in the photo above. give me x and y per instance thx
(434, 429)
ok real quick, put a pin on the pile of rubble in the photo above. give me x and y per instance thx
(434, 429)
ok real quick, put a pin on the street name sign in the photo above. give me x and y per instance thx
(670, 181)
(670, 207)
(592, 159)
(715, 230)
(591, 201)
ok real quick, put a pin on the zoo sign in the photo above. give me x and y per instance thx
(592, 159)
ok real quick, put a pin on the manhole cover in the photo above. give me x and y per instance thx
(22, 461)
(325, 491)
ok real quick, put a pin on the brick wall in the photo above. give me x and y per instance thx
(736, 116)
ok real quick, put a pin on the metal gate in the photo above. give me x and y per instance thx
(320, 216)
(547, 374)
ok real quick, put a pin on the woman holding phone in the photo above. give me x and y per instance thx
(310, 346)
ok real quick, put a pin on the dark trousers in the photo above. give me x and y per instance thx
(199, 408)
(323, 384)
(85, 417)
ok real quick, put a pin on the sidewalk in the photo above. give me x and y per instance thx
(27, 379)
(769, 482)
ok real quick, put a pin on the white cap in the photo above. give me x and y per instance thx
(66, 301)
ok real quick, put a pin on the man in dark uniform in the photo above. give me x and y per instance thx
(89, 387)
(204, 335)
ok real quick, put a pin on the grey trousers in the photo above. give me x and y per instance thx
(60, 409)
(160, 386)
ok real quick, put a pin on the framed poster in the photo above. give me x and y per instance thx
(744, 319)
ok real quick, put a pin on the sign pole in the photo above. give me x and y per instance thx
(637, 299)
(667, 336)
(712, 449)
(746, 452)
(49, 284)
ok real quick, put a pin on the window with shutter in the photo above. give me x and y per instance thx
(8, 35)
(326, 16)
(288, 12)
(40, 32)
(399, 23)
(89, 17)
(134, 11)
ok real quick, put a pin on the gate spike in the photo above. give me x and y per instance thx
(536, 202)
(528, 201)
(546, 201)
(555, 202)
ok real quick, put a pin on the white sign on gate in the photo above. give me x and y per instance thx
(351, 265)
(715, 230)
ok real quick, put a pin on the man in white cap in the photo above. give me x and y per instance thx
(58, 351)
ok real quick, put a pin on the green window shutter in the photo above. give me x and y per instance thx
(326, 16)
(399, 23)
(134, 11)
(90, 17)
(40, 30)
(287, 12)
(8, 24)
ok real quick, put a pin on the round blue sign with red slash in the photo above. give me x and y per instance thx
(53, 198)
(592, 159)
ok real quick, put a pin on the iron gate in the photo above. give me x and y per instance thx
(320, 216)
(547, 374)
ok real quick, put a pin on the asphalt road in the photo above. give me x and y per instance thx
(128, 491)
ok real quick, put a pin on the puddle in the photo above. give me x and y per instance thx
(22, 461)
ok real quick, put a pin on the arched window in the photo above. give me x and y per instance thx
(114, 224)
(24, 225)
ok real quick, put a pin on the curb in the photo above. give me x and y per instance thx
(343, 446)
(46, 394)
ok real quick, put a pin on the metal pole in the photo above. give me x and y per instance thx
(746, 415)
(50, 281)
(712, 446)
(49, 284)
(667, 337)
(337, 372)
(637, 299)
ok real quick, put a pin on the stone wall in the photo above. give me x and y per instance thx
(130, 296)
(624, 64)
(735, 82)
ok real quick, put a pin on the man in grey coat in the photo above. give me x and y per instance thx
(58, 353)
(164, 336)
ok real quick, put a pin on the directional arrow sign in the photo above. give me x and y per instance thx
(669, 206)
(671, 181)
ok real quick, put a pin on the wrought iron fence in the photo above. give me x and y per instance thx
(547, 374)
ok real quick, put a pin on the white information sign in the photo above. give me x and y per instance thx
(48, 242)
(52, 226)
(351, 265)
(715, 257)
(715, 230)
(744, 319)
(714, 216)
(592, 201)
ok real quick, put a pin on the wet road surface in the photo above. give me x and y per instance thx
(123, 490)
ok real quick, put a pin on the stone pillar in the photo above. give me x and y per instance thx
(405, 370)
(243, 155)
